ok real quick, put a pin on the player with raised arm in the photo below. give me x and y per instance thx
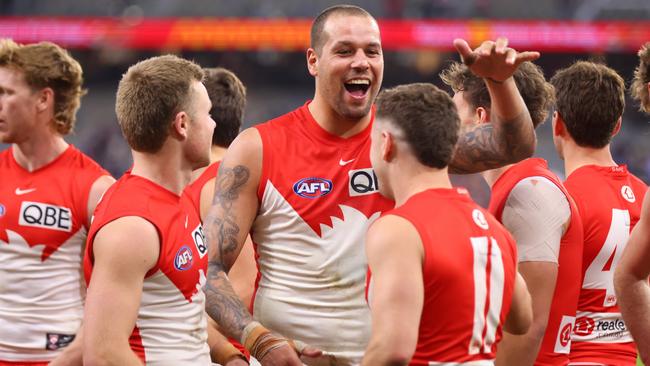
(631, 276)
(608, 199)
(146, 256)
(48, 193)
(303, 186)
(442, 286)
(534, 206)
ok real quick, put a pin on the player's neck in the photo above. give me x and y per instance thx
(217, 153)
(576, 156)
(417, 179)
(492, 175)
(333, 122)
(166, 168)
(39, 150)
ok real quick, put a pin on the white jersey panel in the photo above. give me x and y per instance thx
(31, 290)
(312, 286)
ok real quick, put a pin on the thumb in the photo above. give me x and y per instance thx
(465, 52)
(304, 349)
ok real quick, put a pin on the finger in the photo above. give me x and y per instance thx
(501, 45)
(511, 56)
(466, 54)
(310, 351)
(486, 48)
(526, 56)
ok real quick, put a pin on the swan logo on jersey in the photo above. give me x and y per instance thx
(45, 216)
(312, 187)
(184, 259)
(363, 182)
(628, 194)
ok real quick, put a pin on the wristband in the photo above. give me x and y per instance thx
(222, 352)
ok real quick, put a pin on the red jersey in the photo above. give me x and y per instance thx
(469, 271)
(556, 344)
(609, 200)
(43, 218)
(317, 196)
(193, 190)
(171, 323)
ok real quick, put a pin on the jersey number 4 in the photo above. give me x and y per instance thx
(600, 273)
(488, 293)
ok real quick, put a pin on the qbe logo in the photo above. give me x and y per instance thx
(184, 258)
(45, 216)
(199, 241)
(312, 187)
(363, 182)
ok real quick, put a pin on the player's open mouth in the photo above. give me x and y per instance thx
(358, 88)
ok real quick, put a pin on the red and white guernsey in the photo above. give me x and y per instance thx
(43, 217)
(609, 200)
(469, 271)
(556, 344)
(317, 195)
(171, 324)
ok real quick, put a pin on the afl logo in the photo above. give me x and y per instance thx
(313, 187)
(628, 194)
(184, 259)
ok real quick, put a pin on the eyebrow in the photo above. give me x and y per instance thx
(349, 43)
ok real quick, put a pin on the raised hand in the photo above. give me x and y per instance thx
(494, 61)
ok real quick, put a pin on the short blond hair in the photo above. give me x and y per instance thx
(46, 65)
(639, 87)
(150, 94)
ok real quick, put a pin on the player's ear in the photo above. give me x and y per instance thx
(483, 115)
(312, 62)
(617, 127)
(387, 146)
(558, 124)
(180, 124)
(45, 99)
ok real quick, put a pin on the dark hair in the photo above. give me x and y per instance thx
(317, 34)
(639, 87)
(150, 95)
(228, 97)
(46, 65)
(590, 100)
(428, 118)
(533, 87)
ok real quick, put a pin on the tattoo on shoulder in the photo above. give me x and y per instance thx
(491, 145)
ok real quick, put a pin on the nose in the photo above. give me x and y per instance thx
(360, 60)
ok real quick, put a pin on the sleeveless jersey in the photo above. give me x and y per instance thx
(609, 200)
(556, 344)
(43, 218)
(468, 270)
(317, 195)
(193, 190)
(171, 323)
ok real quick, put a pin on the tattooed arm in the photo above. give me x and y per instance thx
(511, 135)
(226, 226)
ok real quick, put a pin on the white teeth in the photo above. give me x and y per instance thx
(359, 81)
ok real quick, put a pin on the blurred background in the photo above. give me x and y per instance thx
(264, 43)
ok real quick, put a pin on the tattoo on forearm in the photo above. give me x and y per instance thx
(222, 232)
(493, 145)
(222, 304)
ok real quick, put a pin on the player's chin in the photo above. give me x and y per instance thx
(356, 111)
